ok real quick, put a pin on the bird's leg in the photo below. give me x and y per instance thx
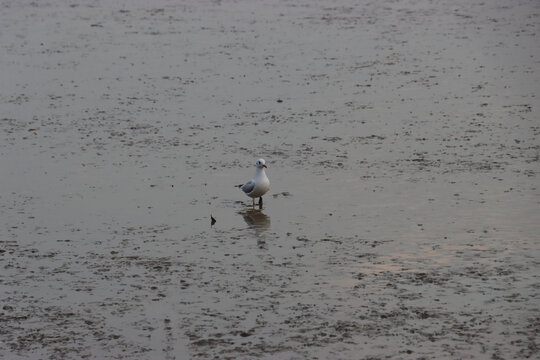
(260, 202)
(253, 202)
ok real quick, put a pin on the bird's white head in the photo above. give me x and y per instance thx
(261, 163)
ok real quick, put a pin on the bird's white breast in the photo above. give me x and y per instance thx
(262, 185)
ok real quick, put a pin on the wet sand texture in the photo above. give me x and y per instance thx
(402, 143)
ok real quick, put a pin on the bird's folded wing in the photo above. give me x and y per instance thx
(248, 187)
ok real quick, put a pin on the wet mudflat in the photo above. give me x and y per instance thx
(402, 143)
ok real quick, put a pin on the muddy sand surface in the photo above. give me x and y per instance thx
(402, 140)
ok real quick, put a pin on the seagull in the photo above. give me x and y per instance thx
(259, 185)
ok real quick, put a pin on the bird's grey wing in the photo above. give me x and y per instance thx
(248, 187)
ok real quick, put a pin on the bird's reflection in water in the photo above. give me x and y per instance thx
(258, 221)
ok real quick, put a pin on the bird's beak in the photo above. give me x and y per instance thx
(264, 166)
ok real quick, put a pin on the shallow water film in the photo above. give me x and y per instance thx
(402, 145)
